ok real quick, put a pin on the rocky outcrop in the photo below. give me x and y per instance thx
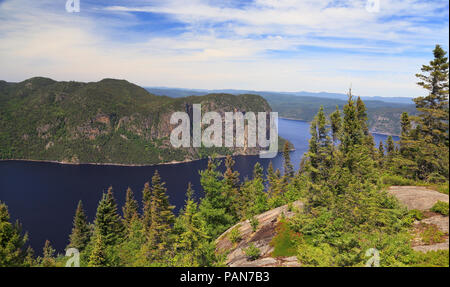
(261, 239)
(423, 199)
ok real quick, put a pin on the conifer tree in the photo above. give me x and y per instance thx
(81, 233)
(215, 205)
(288, 167)
(11, 240)
(146, 206)
(336, 124)
(190, 243)
(433, 108)
(162, 219)
(352, 131)
(108, 223)
(231, 188)
(130, 209)
(258, 171)
(48, 252)
(362, 115)
(390, 146)
(98, 256)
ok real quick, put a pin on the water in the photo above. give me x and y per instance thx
(44, 196)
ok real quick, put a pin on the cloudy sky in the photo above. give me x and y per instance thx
(276, 45)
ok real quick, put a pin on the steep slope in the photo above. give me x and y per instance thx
(110, 121)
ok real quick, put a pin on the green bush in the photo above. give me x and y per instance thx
(389, 180)
(440, 207)
(432, 235)
(235, 234)
(252, 252)
(285, 241)
(254, 223)
(443, 188)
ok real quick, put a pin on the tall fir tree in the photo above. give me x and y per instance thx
(130, 209)
(81, 233)
(146, 206)
(336, 124)
(11, 240)
(98, 257)
(48, 259)
(288, 167)
(161, 222)
(108, 223)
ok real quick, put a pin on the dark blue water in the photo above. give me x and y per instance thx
(43, 196)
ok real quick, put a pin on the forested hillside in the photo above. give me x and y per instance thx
(111, 121)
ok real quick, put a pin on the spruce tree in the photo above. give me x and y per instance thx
(48, 252)
(108, 223)
(190, 243)
(288, 167)
(98, 256)
(11, 240)
(433, 108)
(362, 115)
(351, 128)
(231, 188)
(146, 206)
(336, 124)
(81, 233)
(162, 220)
(130, 209)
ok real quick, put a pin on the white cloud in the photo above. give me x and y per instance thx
(269, 45)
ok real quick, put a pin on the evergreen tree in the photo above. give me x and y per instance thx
(98, 257)
(433, 108)
(336, 124)
(288, 167)
(48, 260)
(108, 223)
(390, 146)
(352, 132)
(11, 240)
(215, 206)
(162, 220)
(193, 238)
(258, 171)
(146, 206)
(130, 209)
(362, 115)
(81, 233)
(231, 187)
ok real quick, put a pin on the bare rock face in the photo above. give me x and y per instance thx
(421, 198)
(261, 238)
(417, 197)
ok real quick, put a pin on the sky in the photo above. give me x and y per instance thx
(270, 45)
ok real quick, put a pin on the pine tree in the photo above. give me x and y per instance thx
(162, 220)
(108, 223)
(362, 115)
(81, 233)
(352, 131)
(258, 171)
(390, 146)
(433, 108)
(231, 176)
(336, 124)
(11, 240)
(215, 205)
(146, 206)
(130, 209)
(48, 260)
(98, 256)
(231, 187)
(190, 243)
(288, 167)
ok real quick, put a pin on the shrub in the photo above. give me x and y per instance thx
(443, 188)
(440, 207)
(432, 235)
(252, 252)
(285, 241)
(235, 234)
(389, 180)
(254, 223)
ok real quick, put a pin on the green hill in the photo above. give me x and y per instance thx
(110, 121)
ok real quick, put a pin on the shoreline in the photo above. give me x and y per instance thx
(120, 164)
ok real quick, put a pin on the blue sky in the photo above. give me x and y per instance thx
(278, 45)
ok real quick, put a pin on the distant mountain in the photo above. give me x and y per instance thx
(180, 92)
(383, 112)
(110, 121)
